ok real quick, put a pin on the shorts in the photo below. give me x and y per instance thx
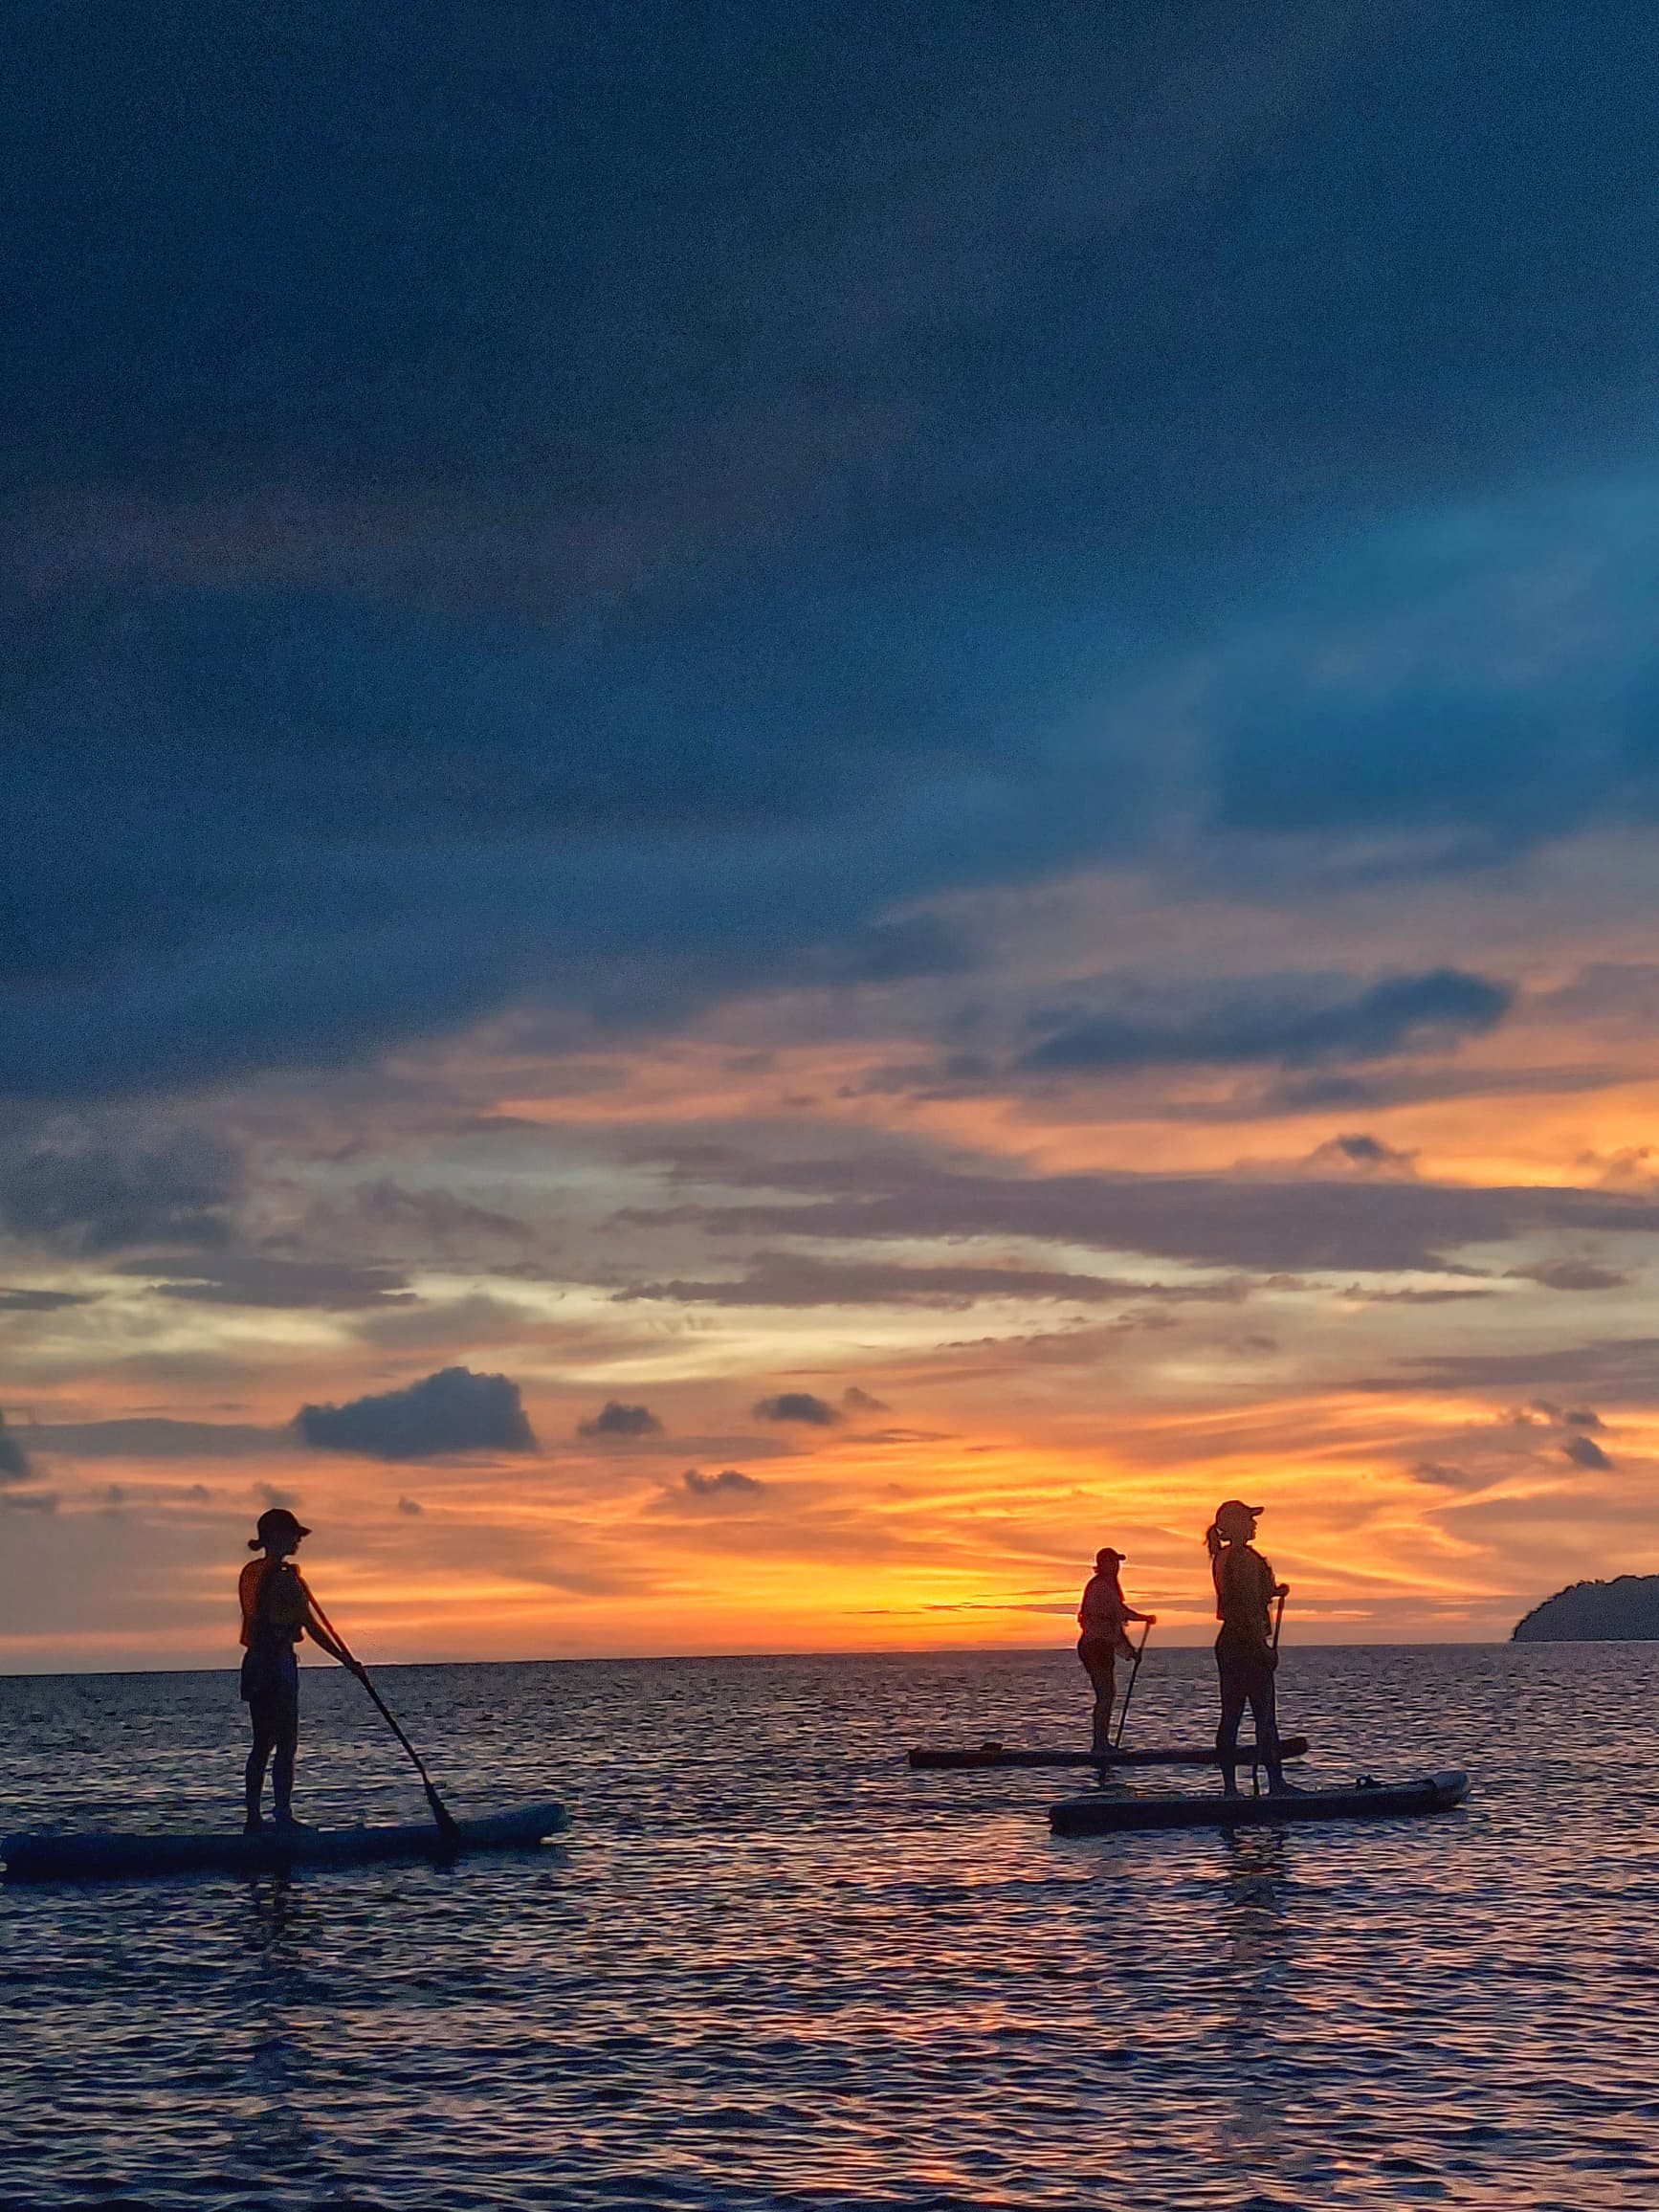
(270, 1692)
(1246, 1668)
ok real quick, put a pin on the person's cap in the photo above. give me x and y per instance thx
(1237, 1505)
(1108, 1552)
(277, 1521)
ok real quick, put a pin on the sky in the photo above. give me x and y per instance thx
(802, 806)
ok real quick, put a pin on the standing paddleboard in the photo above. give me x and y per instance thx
(957, 1759)
(1102, 1815)
(43, 1857)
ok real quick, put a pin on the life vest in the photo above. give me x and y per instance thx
(277, 1612)
(1244, 1590)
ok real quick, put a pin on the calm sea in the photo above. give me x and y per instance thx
(772, 1967)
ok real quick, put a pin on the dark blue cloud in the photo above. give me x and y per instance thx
(697, 1493)
(614, 1418)
(607, 508)
(728, 1483)
(799, 1405)
(1584, 1451)
(1355, 1224)
(453, 1410)
(74, 1191)
(1399, 1014)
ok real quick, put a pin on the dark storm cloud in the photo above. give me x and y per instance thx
(21, 1301)
(1399, 1014)
(610, 507)
(1247, 1223)
(453, 1410)
(616, 1419)
(798, 1405)
(82, 1194)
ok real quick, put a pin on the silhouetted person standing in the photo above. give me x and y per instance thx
(1245, 1657)
(1101, 1618)
(275, 1613)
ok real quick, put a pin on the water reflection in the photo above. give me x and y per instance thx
(781, 1970)
(275, 1909)
(271, 2131)
(1257, 1948)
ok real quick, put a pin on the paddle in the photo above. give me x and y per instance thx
(1134, 1677)
(1279, 1616)
(441, 1813)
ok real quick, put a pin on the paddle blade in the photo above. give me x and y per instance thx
(444, 1818)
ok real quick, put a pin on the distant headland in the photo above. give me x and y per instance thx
(1623, 1611)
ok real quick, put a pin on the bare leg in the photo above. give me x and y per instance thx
(1232, 1704)
(282, 1780)
(253, 1774)
(1100, 1665)
(1264, 1712)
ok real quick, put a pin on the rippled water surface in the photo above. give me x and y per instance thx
(772, 1967)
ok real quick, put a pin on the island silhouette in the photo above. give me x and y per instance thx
(1623, 1611)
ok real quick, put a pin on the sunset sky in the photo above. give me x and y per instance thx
(803, 804)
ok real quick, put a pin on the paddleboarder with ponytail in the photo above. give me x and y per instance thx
(1102, 1617)
(277, 1612)
(1246, 1648)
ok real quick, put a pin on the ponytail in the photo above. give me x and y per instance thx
(1218, 1559)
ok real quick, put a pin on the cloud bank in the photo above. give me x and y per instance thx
(453, 1410)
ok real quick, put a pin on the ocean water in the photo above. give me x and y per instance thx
(769, 1966)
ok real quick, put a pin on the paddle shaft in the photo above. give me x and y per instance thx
(1134, 1677)
(1278, 1620)
(441, 1813)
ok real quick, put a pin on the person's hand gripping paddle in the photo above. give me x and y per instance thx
(441, 1813)
(1134, 1677)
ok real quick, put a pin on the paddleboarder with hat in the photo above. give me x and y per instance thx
(1102, 1617)
(1246, 1648)
(277, 1612)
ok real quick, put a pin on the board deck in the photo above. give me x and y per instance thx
(938, 1757)
(1103, 1815)
(44, 1857)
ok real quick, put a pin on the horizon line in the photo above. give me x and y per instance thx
(918, 1651)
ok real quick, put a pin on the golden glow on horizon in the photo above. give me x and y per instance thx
(1015, 1431)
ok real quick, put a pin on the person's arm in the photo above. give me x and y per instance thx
(1130, 1614)
(1273, 1588)
(318, 1634)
